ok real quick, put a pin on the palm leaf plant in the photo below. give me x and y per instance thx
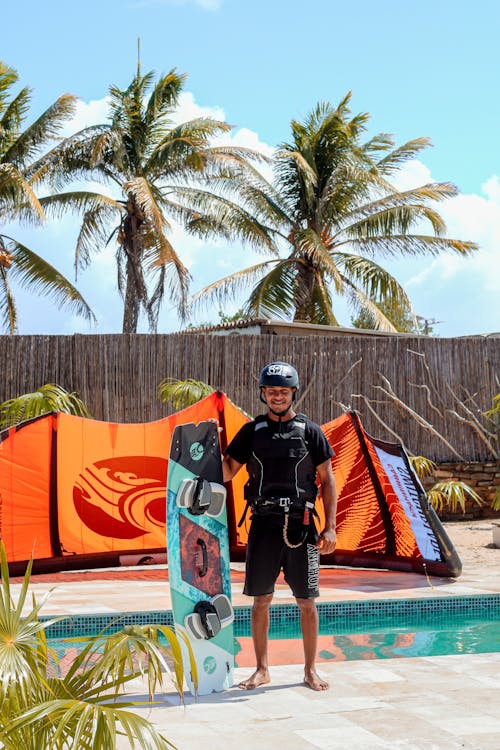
(44, 709)
(47, 398)
(182, 393)
(451, 494)
(328, 220)
(19, 200)
(143, 157)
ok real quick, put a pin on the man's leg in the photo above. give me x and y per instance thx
(260, 630)
(309, 624)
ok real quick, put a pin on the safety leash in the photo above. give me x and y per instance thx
(306, 519)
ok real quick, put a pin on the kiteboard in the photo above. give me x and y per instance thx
(198, 555)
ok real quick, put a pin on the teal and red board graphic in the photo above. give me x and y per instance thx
(198, 552)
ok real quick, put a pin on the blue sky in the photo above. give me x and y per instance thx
(422, 69)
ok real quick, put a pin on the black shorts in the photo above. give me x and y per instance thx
(267, 555)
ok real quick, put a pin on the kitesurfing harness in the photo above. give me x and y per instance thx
(282, 475)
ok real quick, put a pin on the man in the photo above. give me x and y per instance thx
(284, 453)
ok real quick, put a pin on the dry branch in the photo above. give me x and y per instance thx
(421, 421)
(377, 417)
(429, 401)
(429, 375)
(478, 430)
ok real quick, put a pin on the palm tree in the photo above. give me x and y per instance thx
(44, 708)
(330, 211)
(19, 202)
(144, 156)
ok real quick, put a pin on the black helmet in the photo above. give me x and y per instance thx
(279, 374)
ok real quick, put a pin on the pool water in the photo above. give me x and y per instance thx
(348, 631)
(458, 636)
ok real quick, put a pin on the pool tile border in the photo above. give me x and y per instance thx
(347, 616)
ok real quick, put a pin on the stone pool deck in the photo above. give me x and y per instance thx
(424, 703)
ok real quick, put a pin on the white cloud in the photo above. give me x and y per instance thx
(414, 174)
(463, 292)
(189, 109)
(87, 114)
(491, 188)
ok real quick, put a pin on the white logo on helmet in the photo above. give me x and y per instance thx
(276, 370)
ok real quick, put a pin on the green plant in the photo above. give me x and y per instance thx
(47, 398)
(43, 709)
(451, 494)
(182, 393)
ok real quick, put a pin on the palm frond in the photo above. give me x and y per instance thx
(11, 119)
(398, 245)
(361, 303)
(32, 271)
(8, 77)
(311, 250)
(164, 97)
(79, 201)
(452, 495)
(212, 215)
(94, 230)
(318, 304)
(8, 310)
(161, 259)
(422, 466)
(393, 220)
(48, 398)
(376, 282)
(275, 295)
(18, 200)
(40, 707)
(183, 393)
(228, 287)
(400, 155)
(183, 149)
(415, 198)
(42, 131)
(69, 160)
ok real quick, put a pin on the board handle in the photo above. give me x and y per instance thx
(204, 553)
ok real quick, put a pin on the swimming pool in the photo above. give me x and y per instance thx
(375, 629)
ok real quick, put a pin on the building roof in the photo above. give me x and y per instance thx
(263, 326)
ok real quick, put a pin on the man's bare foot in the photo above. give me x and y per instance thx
(314, 681)
(259, 677)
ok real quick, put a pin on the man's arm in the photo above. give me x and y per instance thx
(230, 467)
(328, 537)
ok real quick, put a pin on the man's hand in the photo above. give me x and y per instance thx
(327, 541)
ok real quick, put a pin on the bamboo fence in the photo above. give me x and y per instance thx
(117, 376)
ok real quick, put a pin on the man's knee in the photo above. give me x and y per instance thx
(262, 602)
(306, 606)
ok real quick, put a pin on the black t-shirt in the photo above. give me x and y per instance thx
(240, 447)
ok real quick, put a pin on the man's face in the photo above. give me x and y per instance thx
(277, 398)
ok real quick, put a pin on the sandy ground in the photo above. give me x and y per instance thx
(473, 541)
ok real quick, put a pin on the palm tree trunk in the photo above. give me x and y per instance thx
(131, 305)
(304, 305)
(133, 292)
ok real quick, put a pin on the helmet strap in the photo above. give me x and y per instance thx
(279, 414)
